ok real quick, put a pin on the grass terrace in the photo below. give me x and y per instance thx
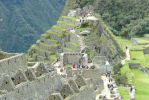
(124, 93)
(49, 45)
(59, 28)
(55, 33)
(69, 49)
(45, 35)
(74, 43)
(67, 23)
(142, 40)
(52, 40)
(53, 57)
(70, 17)
(30, 59)
(138, 57)
(141, 82)
(40, 49)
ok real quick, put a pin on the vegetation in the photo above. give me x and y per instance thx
(124, 93)
(22, 21)
(125, 17)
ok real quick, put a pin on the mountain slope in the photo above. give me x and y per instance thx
(22, 21)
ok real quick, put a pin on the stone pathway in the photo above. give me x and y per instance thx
(109, 93)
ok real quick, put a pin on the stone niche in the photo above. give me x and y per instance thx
(80, 81)
(40, 70)
(55, 96)
(30, 74)
(19, 77)
(6, 84)
(66, 91)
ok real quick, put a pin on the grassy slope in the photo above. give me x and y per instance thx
(141, 82)
(140, 79)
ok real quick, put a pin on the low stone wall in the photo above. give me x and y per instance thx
(48, 47)
(56, 37)
(65, 25)
(48, 41)
(10, 65)
(57, 30)
(77, 22)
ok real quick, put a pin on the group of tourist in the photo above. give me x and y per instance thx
(110, 80)
(78, 66)
(110, 88)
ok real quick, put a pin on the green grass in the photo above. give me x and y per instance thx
(124, 93)
(49, 45)
(125, 70)
(136, 48)
(146, 35)
(55, 33)
(52, 40)
(67, 23)
(141, 82)
(139, 56)
(74, 43)
(30, 59)
(69, 49)
(123, 42)
(142, 40)
(59, 28)
(45, 35)
(53, 57)
(40, 49)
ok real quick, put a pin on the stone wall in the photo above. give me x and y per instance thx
(38, 89)
(34, 84)
(10, 65)
(73, 58)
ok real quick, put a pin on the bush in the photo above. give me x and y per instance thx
(119, 78)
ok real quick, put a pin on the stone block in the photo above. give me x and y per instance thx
(6, 83)
(66, 91)
(30, 74)
(19, 77)
(146, 50)
(40, 70)
(80, 81)
(55, 96)
(74, 86)
(134, 65)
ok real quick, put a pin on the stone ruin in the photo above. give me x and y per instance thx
(73, 58)
(40, 80)
(20, 80)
